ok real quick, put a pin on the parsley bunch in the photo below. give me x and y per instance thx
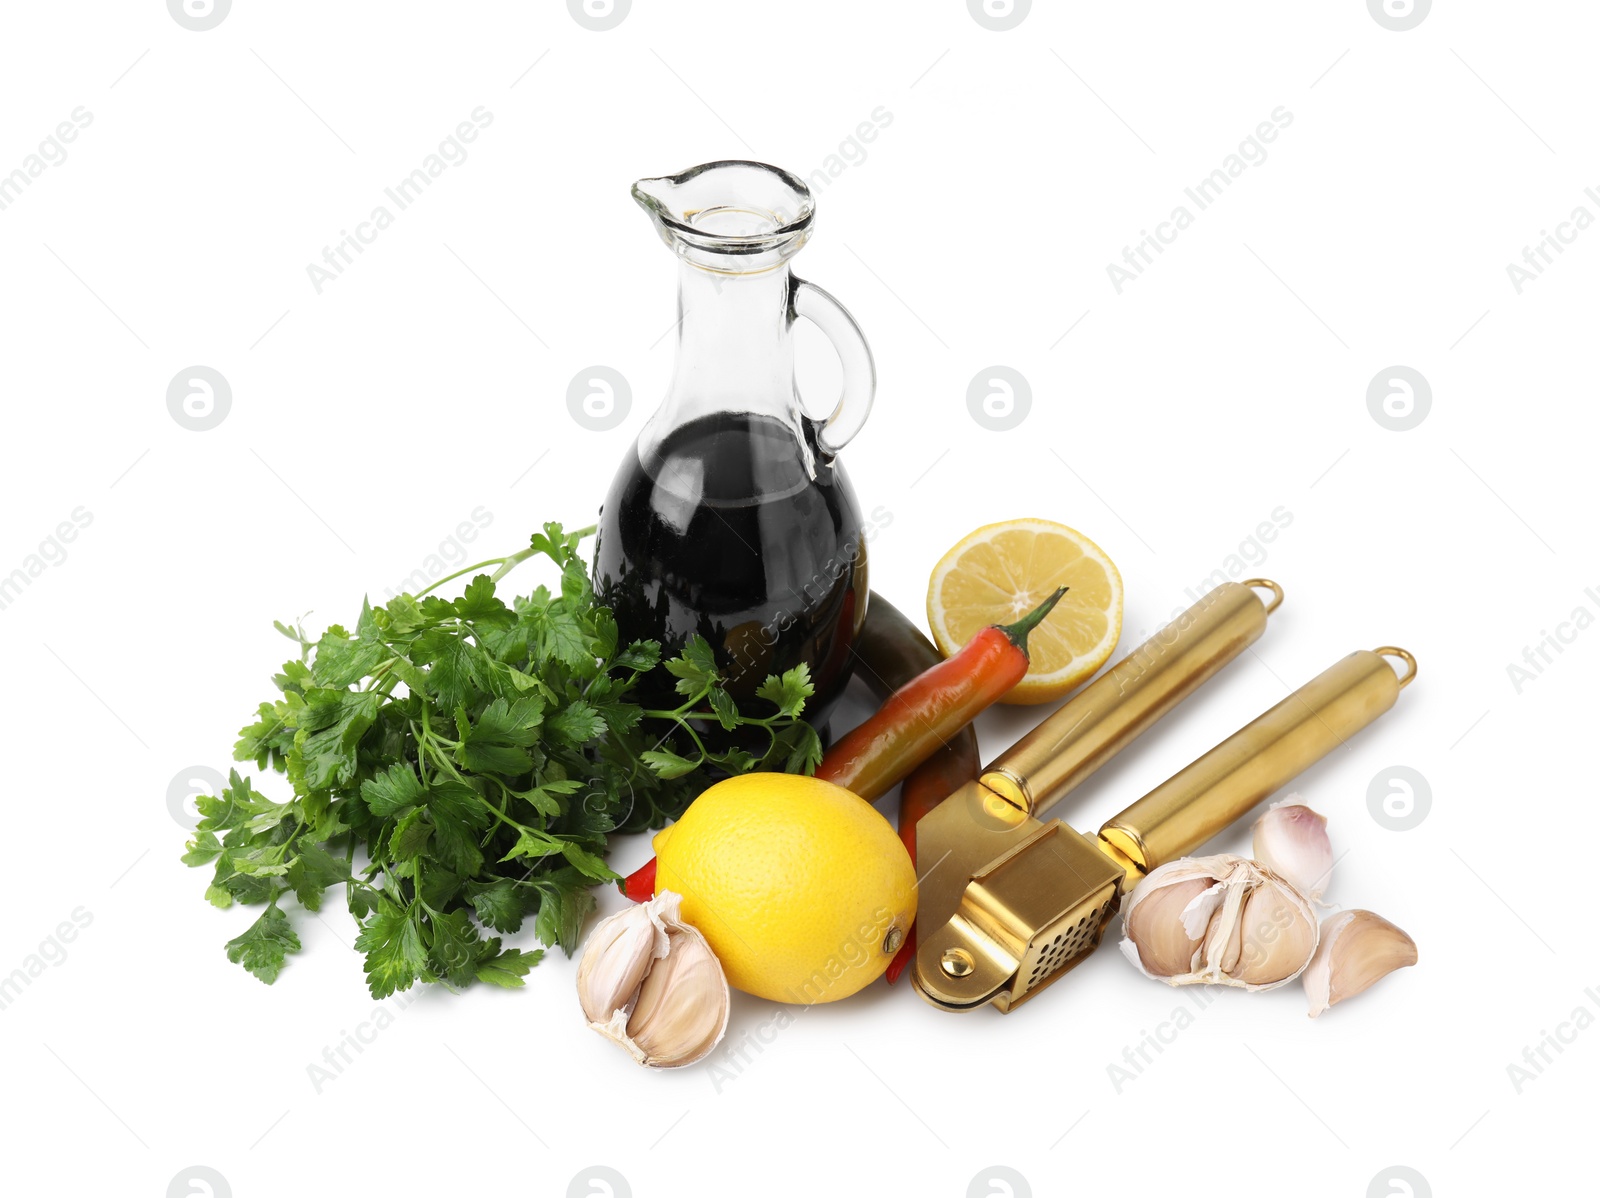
(458, 765)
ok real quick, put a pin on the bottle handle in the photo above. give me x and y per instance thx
(860, 375)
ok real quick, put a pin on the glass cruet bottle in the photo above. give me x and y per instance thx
(731, 516)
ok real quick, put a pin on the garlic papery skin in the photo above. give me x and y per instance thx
(1358, 948)
(1248, 927)
(651, 983)
(1292, 841)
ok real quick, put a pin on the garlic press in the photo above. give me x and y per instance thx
(1010, 902)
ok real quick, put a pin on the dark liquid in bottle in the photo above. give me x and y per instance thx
(724, 532)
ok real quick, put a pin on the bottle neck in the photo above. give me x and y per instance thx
(735, 350)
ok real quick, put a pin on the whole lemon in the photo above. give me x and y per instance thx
(802, 888)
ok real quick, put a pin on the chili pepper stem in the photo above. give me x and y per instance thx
(1017, 633)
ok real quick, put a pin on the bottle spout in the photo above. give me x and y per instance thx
(731, 217)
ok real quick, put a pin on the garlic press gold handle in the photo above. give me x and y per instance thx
(1206, 796)
(1106, 715)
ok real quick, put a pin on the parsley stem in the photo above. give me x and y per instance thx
(493, 561)
(509, 564)
(508, 821)
(522, 555)
(506, 564)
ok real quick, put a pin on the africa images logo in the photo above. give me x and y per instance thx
(199, 16)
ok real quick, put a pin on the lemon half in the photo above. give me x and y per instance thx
(1001, 572)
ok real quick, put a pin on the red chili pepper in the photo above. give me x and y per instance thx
(892, 651)
(640, 885)
(929, 785)
(924, 713)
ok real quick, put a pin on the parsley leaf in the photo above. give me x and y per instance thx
(396, 788)
(498, 904)
(789, 692)
(454, 952)
(508, 968)
(667, 764)
(562, 909)
(262, 947)
(331, 723)
(696, 668)
(395, 953)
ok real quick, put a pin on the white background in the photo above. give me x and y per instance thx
(430, 379)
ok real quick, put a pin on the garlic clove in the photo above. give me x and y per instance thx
(619, 953)
(1277, 936)
(1156, 927)
(1292, 840)
(683, 1004)
(651, 983)
(1358, 948)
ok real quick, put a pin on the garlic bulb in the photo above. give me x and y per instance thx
(1357, 949)
(1292, 841)
(1221, 919)
(650, 982)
